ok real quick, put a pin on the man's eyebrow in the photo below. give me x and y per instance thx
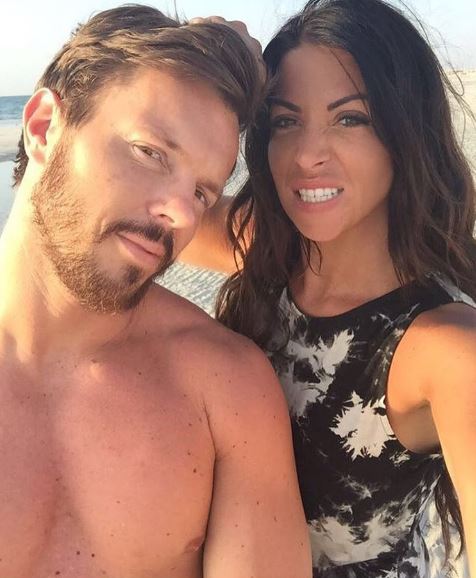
(160, 134)
(212, 187)
(345, 100)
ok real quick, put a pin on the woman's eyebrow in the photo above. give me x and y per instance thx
(345, 100)
(274, 100)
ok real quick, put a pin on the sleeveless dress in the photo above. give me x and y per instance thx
(369, 502)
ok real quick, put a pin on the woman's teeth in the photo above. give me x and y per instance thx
(318, 195)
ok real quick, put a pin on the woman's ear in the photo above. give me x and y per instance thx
(42, 122)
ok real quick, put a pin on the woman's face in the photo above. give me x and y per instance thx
(331, 171)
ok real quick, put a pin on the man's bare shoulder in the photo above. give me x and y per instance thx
(186, 325)
(227, 369)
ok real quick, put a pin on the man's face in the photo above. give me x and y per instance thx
(124, 193)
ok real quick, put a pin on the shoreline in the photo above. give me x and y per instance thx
(7, 157)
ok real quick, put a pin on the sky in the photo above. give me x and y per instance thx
(31, 31)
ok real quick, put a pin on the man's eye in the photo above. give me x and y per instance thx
(145, 151)
(202, 197)
(351, 120)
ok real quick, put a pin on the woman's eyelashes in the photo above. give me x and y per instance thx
(344, 119)
(352, 119)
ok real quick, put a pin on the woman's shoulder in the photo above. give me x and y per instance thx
(439, 347)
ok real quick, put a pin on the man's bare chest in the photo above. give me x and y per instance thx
(103, 478)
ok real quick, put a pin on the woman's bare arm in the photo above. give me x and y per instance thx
(434, 368)
(211, 247)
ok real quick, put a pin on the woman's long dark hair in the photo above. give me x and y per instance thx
(432, 199)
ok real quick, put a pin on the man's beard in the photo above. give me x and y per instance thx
(59, 217)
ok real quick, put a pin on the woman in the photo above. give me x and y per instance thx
(359, 279)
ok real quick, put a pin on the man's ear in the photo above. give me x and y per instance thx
(41, 124)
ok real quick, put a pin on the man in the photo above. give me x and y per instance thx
(139, 439)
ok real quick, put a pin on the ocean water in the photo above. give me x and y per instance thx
(11, 109)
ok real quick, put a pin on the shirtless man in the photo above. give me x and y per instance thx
(139, 439)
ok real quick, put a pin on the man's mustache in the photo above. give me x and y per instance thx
(150, 231)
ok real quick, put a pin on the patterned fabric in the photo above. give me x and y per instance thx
(369, 502)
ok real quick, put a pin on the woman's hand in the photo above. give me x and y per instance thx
(240, 27)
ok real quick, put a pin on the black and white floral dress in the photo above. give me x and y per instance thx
(369, 502)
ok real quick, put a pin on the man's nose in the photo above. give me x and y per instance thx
(175, 205)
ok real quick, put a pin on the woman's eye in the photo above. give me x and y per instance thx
(280, 122)
(351, 120)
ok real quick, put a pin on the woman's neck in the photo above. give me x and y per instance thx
(349, 271)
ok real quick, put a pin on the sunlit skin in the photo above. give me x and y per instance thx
(142, 443)
(322, 137)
